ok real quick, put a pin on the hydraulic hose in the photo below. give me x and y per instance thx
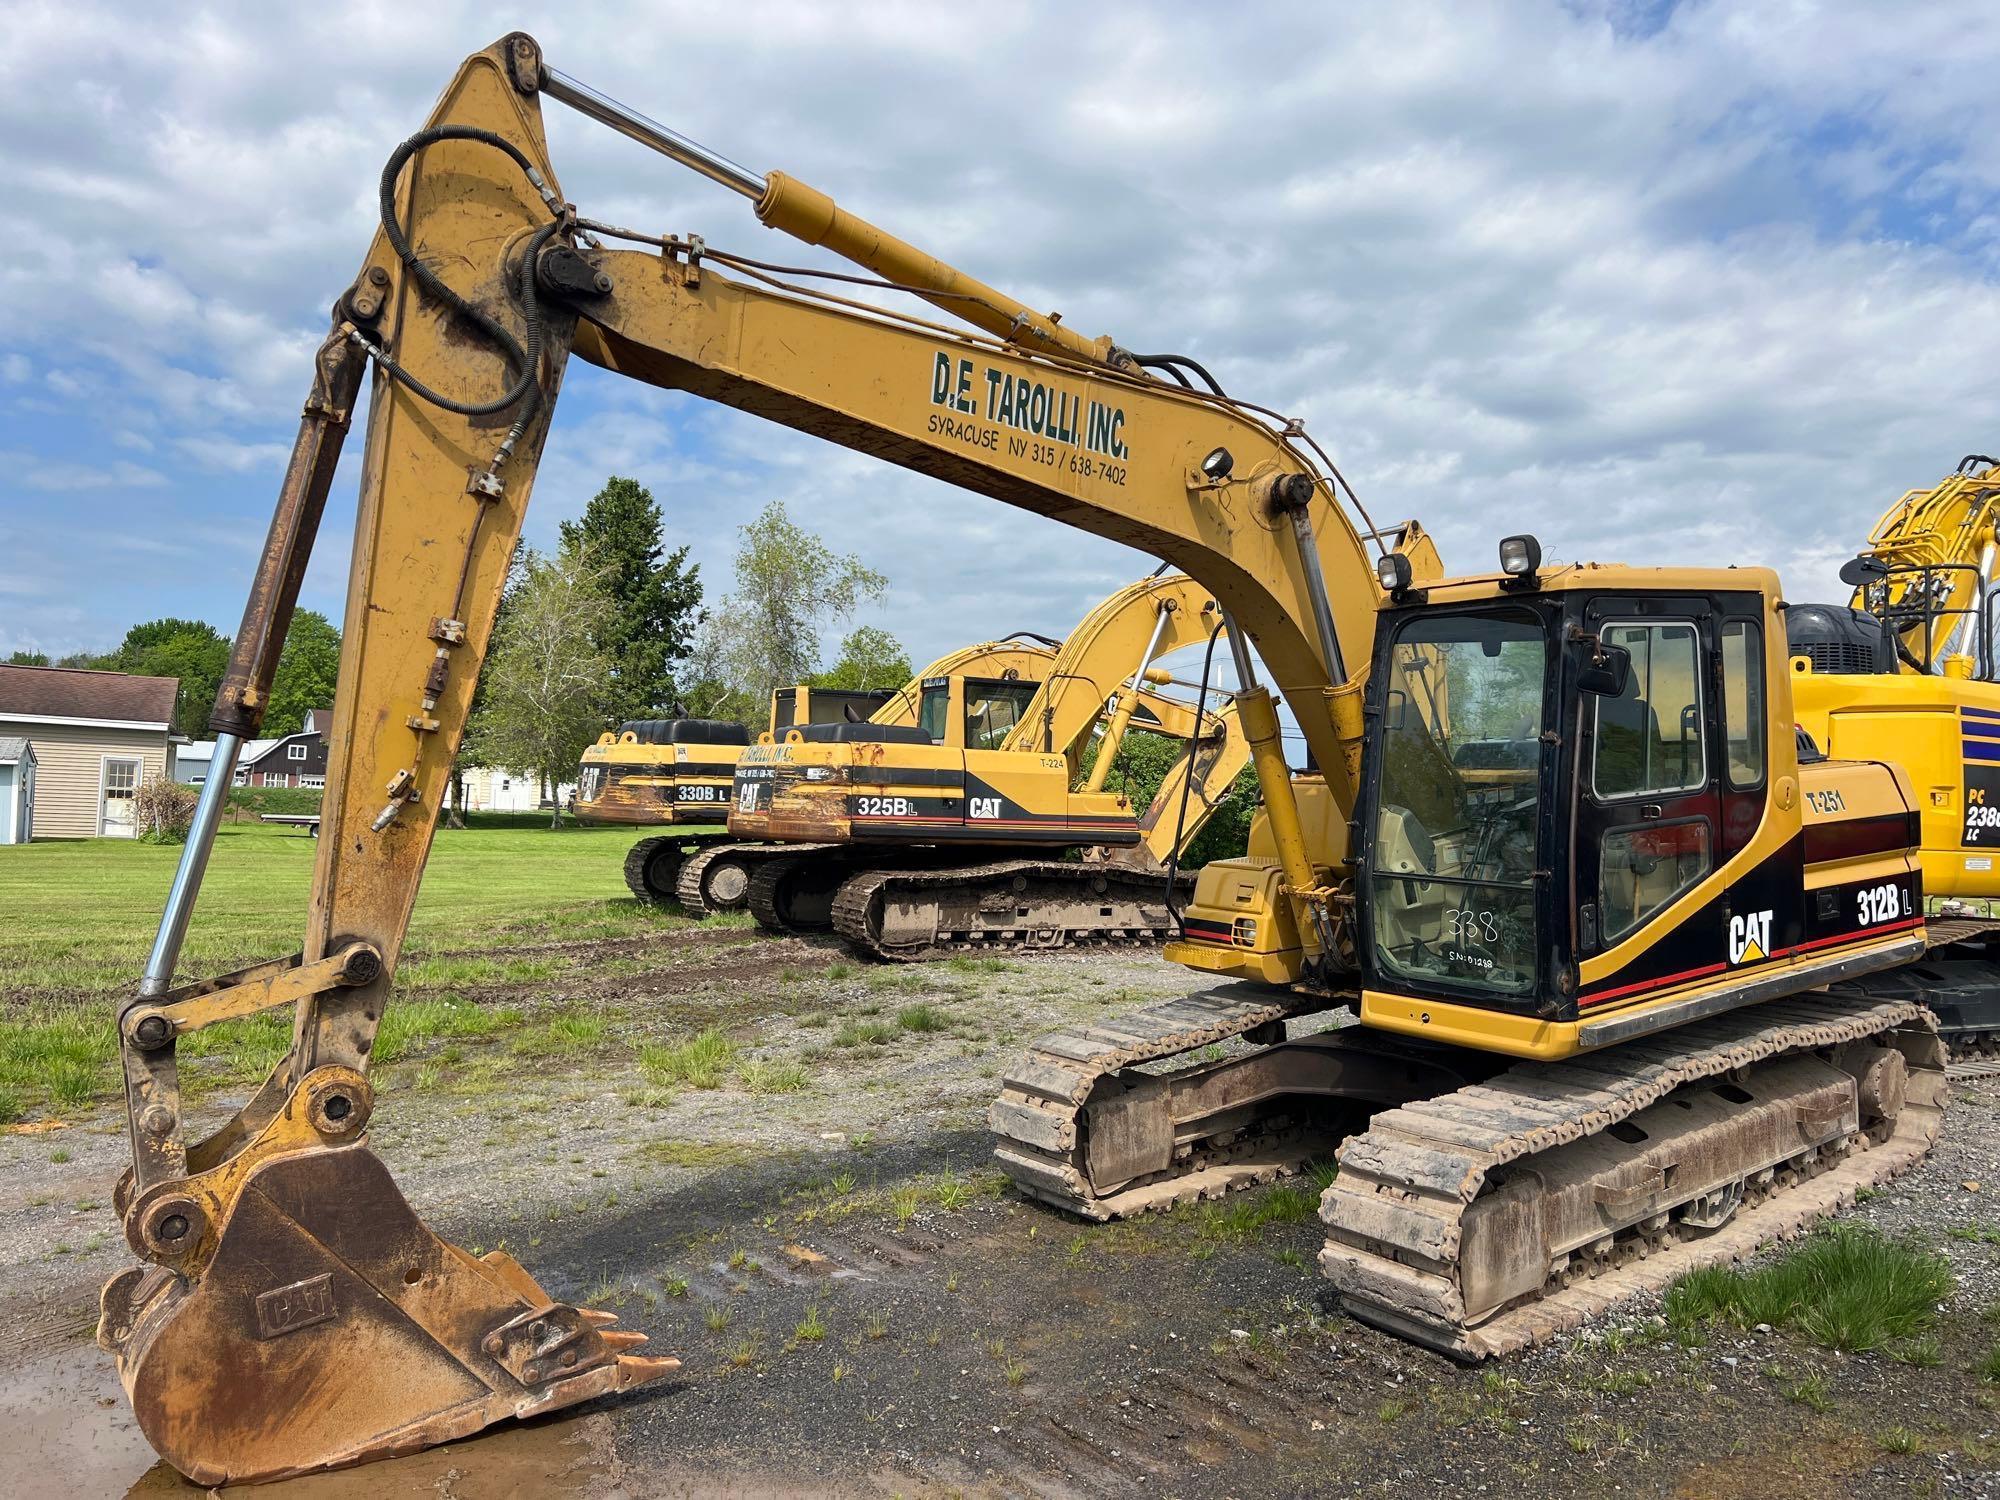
(525, 387)
(1168, 362)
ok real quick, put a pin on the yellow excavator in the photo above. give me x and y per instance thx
(651, 772)
(1612, 946)
(1905, 671)
(787, 872)
(945, 836)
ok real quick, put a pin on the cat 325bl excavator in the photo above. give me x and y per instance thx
(945, 836)
(654, 772)
(1611, 945)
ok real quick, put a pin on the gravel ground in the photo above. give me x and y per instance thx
(972, 1343)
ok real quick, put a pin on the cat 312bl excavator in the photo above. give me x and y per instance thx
(944, 836)
(1611, 944)
(654, 772)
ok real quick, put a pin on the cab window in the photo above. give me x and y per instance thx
(934, 710)
(1452, 873)
(1643, 868)
(1649, 737)
(992, 709)
(1743, 701)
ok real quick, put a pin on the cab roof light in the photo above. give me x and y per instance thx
(1520, 557)
(1392, 569)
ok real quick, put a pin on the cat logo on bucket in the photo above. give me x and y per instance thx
(1750, 937)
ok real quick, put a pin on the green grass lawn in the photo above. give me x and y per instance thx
(76, 921)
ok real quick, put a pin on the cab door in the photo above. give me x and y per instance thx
(1648, 802)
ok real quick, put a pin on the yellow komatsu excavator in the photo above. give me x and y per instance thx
(920, 841)
(1613, 948)
(682, 771)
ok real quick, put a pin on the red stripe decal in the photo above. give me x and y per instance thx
(1826, 942)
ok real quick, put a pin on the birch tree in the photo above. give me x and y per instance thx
(790, 587)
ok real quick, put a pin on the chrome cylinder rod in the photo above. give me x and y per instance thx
(159, 975)
(602, 108)
(1239, 652)
(1322, 607)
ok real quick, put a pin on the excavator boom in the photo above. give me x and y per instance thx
(277, 1249)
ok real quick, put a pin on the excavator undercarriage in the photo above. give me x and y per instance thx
(1479, 1208)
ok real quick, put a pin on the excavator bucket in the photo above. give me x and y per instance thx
(331, 1327)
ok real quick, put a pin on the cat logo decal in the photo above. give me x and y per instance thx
(1750, 937)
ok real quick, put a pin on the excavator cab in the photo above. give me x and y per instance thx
(1584, 817)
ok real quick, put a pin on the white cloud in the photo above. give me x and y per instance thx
(1709, 282)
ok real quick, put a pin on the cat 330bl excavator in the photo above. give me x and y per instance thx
(1612, 945)
(944, 836)
(654, 772)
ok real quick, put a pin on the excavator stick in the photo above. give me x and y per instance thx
(294, 1313)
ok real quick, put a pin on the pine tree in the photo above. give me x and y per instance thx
(654, 595)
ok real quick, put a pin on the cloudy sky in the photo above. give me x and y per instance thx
(1662, 283)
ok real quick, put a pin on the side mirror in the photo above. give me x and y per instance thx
(1605, 672)
(1859, 571)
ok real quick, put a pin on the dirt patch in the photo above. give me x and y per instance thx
(860, 1312)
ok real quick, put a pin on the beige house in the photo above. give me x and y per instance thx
(96, 736)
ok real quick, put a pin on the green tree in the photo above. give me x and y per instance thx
(192, 650)
(547, 683)
(869, 658)
(1142, 764)
(28, 659)
(790, 586)
(308, 668)
(654, 595)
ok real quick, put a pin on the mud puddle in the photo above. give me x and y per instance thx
(65, 1428)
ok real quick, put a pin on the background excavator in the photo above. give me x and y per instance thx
(1610, 944)
(1905, 671)
(789, 870)
(657, 772)
(918, 842)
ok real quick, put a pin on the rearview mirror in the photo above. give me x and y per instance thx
(1605, 672)
(1857, 571)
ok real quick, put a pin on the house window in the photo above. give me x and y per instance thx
(196, 780)
(313, 781)
(295, 752)
(242, 778)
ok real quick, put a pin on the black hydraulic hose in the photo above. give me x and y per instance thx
(525, 360)
(1187, 782)
(1966, 463)
(1151, 363)
(1167, 362)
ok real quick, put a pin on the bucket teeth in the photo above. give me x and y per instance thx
(331, 1327)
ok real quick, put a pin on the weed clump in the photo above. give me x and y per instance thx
(864, 1034)
(1847, 1288)
(699, 1062)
